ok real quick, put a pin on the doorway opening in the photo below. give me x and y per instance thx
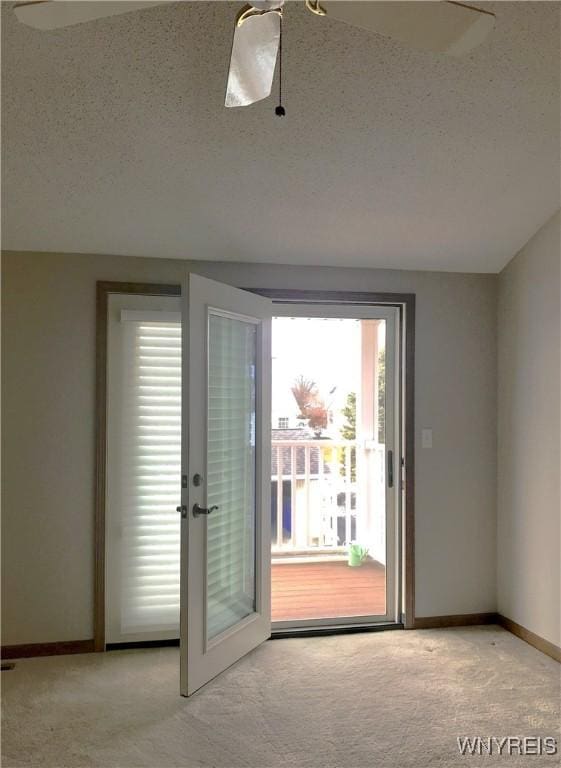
(334, 474)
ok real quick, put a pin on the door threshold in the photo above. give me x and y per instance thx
(333, 629)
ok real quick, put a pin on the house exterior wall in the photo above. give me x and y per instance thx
(48, 399)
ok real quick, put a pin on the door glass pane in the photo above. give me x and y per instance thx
(231, 472)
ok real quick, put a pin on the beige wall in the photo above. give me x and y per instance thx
(48, 358)
(528, 426)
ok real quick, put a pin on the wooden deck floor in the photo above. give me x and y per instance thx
(327, 590)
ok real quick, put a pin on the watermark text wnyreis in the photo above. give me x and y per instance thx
(507, 745)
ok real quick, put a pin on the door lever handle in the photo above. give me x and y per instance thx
(197, 510)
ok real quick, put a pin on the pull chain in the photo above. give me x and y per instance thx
(280, 111)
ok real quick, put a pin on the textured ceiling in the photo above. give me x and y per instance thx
(116, 140)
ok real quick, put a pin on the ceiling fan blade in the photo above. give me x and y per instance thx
(52, 14)
(440, 27)
(254, 55)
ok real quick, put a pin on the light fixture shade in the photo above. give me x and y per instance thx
(254, 56)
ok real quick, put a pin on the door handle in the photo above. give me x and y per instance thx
(183, 510)
(197, 511)
(390, 469)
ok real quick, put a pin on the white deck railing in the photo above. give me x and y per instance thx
(315, 493)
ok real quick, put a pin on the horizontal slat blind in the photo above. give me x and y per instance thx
(231, 472)
(150, 453)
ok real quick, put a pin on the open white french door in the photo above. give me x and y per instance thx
(226, 477)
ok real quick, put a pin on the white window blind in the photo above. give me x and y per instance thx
(231, 472)
(143, 573)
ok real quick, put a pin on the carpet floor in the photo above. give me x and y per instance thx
(376, 700)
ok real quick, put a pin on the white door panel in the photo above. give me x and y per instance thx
(225, 528)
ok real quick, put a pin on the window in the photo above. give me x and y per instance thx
(143, 468)
(283, 422)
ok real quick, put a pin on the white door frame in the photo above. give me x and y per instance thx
(406, 303)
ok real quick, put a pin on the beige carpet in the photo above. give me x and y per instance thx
(376, 700)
